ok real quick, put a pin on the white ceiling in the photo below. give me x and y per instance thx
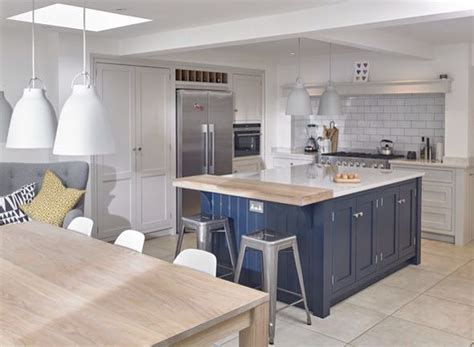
(278, 50)
(168, 14)
(440, 32)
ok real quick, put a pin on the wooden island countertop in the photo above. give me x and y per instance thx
(269, 191)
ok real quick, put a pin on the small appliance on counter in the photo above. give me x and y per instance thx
(411, 155)
(311, 143)
(386, 147)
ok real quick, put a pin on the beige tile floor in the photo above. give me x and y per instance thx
(427, 305)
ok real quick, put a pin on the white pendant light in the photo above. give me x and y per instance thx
(330, 101)
(33, 122)
(5, 116)
(83, 125)
(299, 101)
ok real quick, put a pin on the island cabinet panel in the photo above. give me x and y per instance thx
(387, 227)
(365, 236)
(343, 245)
(407, 217)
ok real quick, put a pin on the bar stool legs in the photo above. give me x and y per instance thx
(179, 243)
(230, 243)
(296, 255)
(270, 278)
(270, 243)
(204, 226)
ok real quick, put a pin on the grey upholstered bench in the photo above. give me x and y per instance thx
(73, 174)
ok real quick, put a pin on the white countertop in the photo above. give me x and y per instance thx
(321, 176)
(424, 163)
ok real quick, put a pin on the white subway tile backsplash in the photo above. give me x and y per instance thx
(368, 119)
(418, 124)
(397, 131)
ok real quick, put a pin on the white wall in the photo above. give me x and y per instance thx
(454, 60)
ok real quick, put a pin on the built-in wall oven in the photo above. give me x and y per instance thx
(247, 139)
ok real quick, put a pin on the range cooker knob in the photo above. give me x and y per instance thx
(357, 164)
(381, 166)
(323, 161)
(344, 163)
(338, 163)
(363, 164)
(375, 166)
(351, 163)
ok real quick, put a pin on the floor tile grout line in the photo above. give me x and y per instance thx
(450, 300)
(372, 327)
(434, 328)
(448, 256)
(392, 314)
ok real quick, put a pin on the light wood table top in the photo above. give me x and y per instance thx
(62, 288)
(268, 191)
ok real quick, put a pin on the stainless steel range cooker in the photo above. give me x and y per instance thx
(356, 159)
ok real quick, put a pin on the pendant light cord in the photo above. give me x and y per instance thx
(330, 62)
(86, 79)
(33, 68)
(299, 57)
(84, 41)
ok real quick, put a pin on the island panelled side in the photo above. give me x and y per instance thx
(345, 243)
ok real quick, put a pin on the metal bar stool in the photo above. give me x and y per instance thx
(204, 226)
(270, 243)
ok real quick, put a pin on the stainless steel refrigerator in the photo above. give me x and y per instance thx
(204, 140)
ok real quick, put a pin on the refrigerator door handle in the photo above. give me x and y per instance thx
(212, 149)
(205, 149)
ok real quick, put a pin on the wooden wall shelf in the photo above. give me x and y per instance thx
(380, 87)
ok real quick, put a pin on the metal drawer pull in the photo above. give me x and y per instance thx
(401, 201)
(357, 215)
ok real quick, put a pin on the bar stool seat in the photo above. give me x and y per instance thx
(204, 226)
(270, 243)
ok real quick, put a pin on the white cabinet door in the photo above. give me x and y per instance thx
(115, 178)
(134, 185)
(153, 208)
(248, 94)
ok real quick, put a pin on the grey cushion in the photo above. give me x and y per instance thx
(73, 174)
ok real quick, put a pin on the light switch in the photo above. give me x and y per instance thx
(256, 206)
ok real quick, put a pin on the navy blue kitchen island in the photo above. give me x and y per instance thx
(361, 234)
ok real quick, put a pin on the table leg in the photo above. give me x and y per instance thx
(256, 335)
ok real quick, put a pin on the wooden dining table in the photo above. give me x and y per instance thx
(60, 288)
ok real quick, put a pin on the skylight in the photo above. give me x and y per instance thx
(68, 16)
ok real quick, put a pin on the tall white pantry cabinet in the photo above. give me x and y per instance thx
(133, 185)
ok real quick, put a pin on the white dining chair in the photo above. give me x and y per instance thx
(198, 260)
(131, 239)
(82, 225)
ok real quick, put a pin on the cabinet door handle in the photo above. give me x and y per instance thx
(355, 215)
(401, 201)
(359, 214)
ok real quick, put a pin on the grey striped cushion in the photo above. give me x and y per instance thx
(10, 205)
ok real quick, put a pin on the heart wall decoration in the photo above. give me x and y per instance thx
(361, 71)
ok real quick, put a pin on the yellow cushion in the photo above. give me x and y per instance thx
(53, 201)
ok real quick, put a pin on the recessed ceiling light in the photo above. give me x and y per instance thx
(68, 16)
(292, 53)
